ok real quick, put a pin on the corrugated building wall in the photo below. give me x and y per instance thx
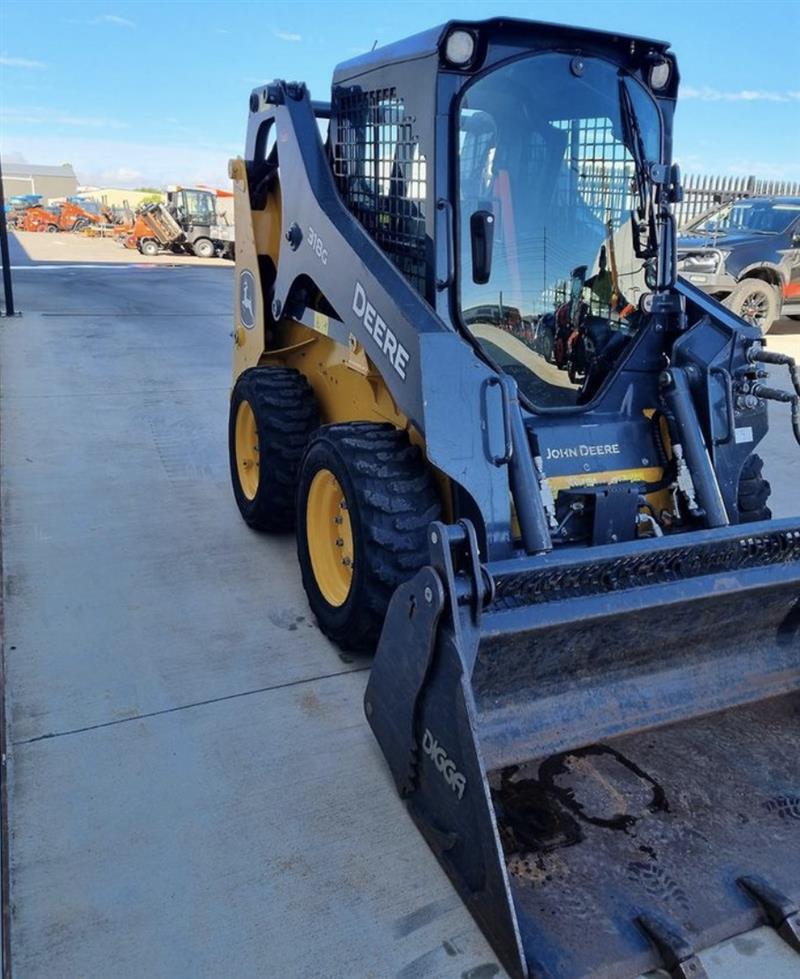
(29, 178)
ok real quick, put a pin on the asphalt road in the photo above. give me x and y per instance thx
(193, 789)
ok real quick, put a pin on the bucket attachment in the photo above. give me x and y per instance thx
(601, 748)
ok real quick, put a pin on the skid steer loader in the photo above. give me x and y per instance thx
(587, 622)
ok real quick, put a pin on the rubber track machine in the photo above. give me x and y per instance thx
(586, 620)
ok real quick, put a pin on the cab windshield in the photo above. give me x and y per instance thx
(548, 178)
(199, 206)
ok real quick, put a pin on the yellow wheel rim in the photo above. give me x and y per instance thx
(247, 460)
(330, 537)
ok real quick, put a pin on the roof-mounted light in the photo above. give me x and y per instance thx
(459, 48)
(660, 75)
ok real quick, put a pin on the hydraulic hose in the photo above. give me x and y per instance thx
(758, 354)
(785, 397)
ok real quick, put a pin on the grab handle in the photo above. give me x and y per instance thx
(508, 434)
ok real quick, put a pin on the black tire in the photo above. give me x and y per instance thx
(756, 302)
(285, 412)
(80, 224)
(204, 248)
(149, 247)
(391, 498)
(754, 492)
(52, 228)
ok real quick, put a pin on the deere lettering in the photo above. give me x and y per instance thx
(445, 765)
(374, 324)
(584, 451)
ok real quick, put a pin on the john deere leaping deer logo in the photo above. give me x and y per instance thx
(247, 299)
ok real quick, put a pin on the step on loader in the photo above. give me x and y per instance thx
(520, 457)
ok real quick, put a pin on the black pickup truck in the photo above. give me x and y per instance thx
(747, 253)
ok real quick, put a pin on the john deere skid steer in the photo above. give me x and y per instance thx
(520, 458)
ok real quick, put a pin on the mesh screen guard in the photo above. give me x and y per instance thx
(381, 174)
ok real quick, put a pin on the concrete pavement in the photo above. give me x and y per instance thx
(29, 248)
(194, 791)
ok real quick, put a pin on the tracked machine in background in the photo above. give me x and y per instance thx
(78, 214)
(18, 205)
(27, 213)
(587, 622)
(35, 217)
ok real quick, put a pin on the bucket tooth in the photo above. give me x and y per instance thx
(782, 913)
(673, 946)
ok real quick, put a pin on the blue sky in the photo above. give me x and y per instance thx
(89, 83)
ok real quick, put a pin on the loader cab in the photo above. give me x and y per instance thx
(192, 206)
(546, 161)
(536, 163)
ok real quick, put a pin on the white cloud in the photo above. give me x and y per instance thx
(109, 161)
(92, 122)
(286, 36)
(692, 163)
(113, 19)
(736, 166)
(707, 94)
(21, 63)
(121, 177)
(37, 116)
(764, 169)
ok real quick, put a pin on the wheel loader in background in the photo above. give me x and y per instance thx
(586, 621)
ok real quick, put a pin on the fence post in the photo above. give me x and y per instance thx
(8, 289)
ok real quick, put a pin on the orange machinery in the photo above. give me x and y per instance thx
(73, 217)
(37, 219)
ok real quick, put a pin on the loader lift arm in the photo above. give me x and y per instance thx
(373, 303)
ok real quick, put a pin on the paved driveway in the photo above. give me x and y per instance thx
(194, 791)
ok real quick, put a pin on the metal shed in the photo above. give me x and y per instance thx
(49, 181)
